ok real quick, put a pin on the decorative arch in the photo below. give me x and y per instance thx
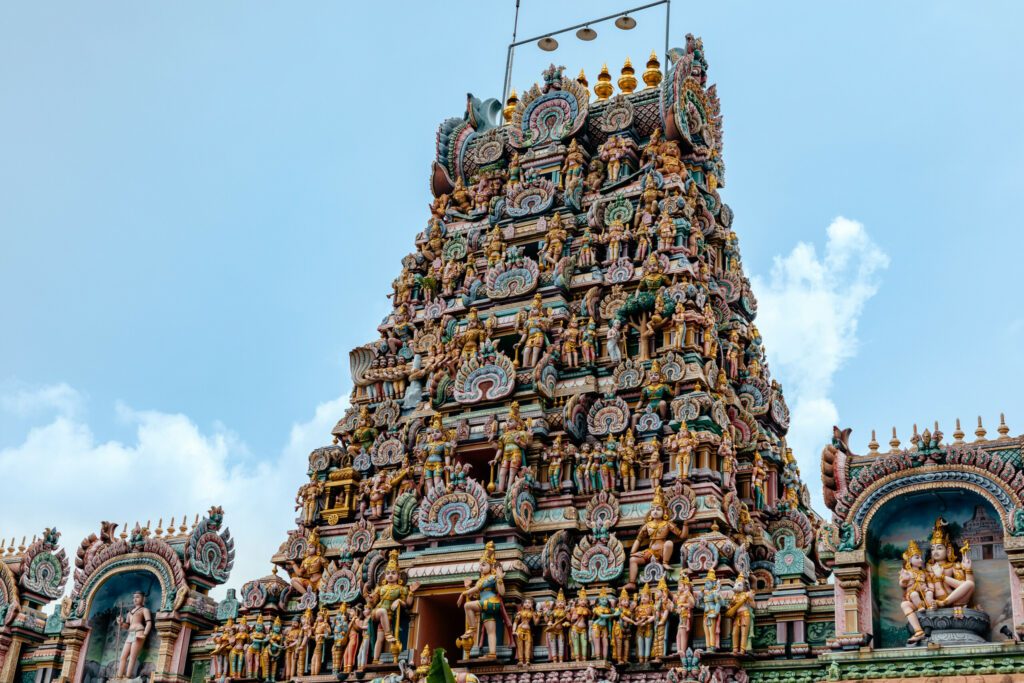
(123, 564)
(974, 479)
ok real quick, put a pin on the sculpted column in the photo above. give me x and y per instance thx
(73, 638)
(168, 631)
(852, 594)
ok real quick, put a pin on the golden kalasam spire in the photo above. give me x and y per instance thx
(627, 79)
(392, 565)
(582, 80)
(652, 74)
(510, 105)
(603, 89)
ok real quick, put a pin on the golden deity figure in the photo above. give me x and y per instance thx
(554, 242)
(571, 338)
(363, 435)
(654, 277)
(572, 167)
(663, 607)
(652, 541)
(488, 591)
(514, 440)
(495, 247)
(522, 627)
(438, 449)
(462, 198)
(321, 629)
(473, 337)
(628, 457)
(649, 155)
(221, 639)
(239, 642)
(615, 238)
(666, 233)
(556, 620)
(682, 455)
(727, 459)
(917, 592)
(386, 602)
(951, 581)
(434, 243)
(305, 576)
(622, 630)
(683, 604)
(534, 331)
(741, 611)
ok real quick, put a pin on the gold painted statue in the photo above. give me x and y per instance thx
(488, 590)
(917, 593)
(305, 576)
(654, 534)
(387, 601)
(741, 609)
(951, 581)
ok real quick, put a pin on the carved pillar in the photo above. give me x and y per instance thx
(1014, 546)
(74, 637)
(10, 649)
(168, 631)
(850, 571)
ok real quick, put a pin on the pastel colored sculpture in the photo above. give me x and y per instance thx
(484, 611)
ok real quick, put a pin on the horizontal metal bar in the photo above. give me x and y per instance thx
(588, 23)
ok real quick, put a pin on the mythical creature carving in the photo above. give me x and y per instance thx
(459, 511)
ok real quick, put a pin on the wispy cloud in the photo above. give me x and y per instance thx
(24, 401)
(64, 477)
(809, 307)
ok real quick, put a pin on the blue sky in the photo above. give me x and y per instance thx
(202, 207)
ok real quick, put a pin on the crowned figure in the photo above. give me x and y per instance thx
(951, 580)
(387, 601)
(917, 593)
(652, 542)
(482, 602)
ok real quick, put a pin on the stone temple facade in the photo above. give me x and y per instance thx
(565, 460)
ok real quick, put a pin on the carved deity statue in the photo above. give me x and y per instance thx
(712, 601)
(652, 541)
(951, 581)
(305, 576)
(138, 622)
(579, 620)
(438, 451)
(683, 604)
(741, 611)
(601, 625)
(482, 603)
(387, 601)
(534, 328)
(515, 438)
(522, 628)
(917, 592)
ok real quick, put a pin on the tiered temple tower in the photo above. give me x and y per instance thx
(565, 461)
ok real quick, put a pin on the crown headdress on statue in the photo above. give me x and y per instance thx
(603, 593)
(436, 422)
(488, 554)
(711, 575)
(662, 584)
(939, 533)
(392, 565)
(277, 622)
(646, 590)
(624, 594)
(656, 366)
(582, 594)
(314, 539)
(561, 596)
(659, 498)
(912, 549)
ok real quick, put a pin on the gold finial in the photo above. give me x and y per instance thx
(627, 81)
(652, 74)
(160, 527)
(170, 527)
(124, 531)
(11, 548)
(1004, 431)
(873, 444)
(184, 524)
(582, 80)
(980, 431)
(3, 549)
(21, 548)
(894, 442)
(603, 89)
(510, 105)
(195, 522)
(915, 438)
(958, 434)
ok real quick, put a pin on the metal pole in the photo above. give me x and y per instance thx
(508, 57)
(668, 15)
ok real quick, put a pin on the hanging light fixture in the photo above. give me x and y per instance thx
(586, 33)
(548, 44)
(626, 22)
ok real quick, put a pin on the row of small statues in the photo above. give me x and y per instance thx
(610, 628)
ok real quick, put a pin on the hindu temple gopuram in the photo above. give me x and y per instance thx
(565, 461)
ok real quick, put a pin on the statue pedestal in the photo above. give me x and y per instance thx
(944, 628)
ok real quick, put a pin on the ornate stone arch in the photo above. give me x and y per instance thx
(974, 479)
(146, 562)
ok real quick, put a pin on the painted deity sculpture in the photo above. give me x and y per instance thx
(644, 617)
(951, 581)
(138, 622)
(579, 619)
(387, 601)
(602, 624)
(271, 656)
(917, 592)
(683, 604)
(221, 639)
(657, 394)
(712, 601)
(254, 652)
(484, 611)
(534, 332)
(741, 611)
(340, 627)
(622, 630)
(513, 441)
(321, 630)
(438, 450)
(239, 641)
(555, 457)
(556, 621)
(292, 636)
(652, 541)
(683, 444)
(305, 576)
(757, 481)
(522, 628)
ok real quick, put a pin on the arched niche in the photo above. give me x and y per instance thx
(112, 597)
(911, 516)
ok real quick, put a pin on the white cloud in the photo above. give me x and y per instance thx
(808, 309)
(61, 475)
(24, 401)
